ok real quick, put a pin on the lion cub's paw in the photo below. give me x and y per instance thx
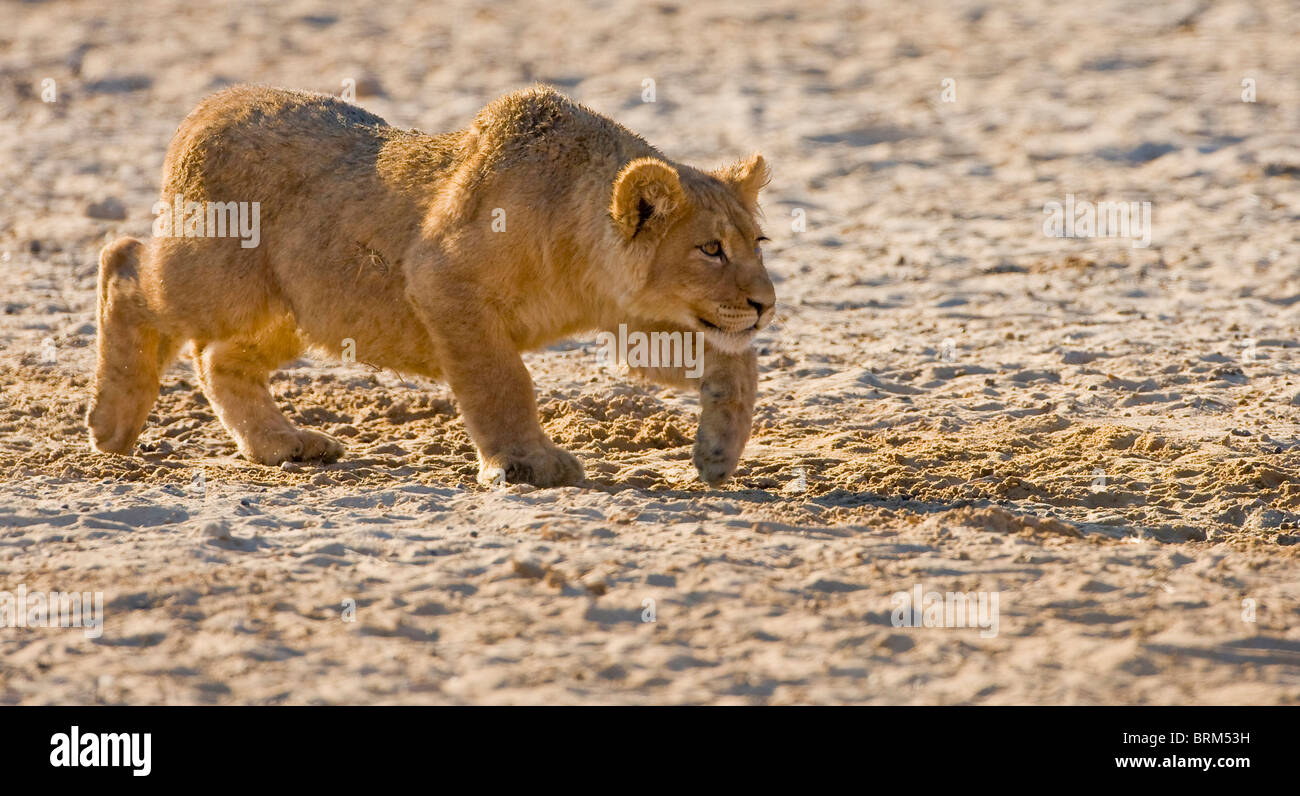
(544, 466)
(109, 435)
(717, 451)
(299, 445)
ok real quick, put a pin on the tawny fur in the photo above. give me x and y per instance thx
(386, 238)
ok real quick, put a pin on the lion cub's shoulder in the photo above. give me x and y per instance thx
(542, 120)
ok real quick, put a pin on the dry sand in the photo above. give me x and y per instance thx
(1103, 435)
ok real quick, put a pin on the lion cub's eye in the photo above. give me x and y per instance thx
(713, 248)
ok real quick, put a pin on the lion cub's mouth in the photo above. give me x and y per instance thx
(729, 341)
(747, 332)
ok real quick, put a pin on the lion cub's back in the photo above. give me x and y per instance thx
(250, 143)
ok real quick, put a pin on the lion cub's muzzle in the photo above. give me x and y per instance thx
(738, 318)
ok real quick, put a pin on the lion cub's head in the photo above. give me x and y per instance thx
(695, 246)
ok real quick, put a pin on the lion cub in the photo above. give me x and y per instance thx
(444, 255)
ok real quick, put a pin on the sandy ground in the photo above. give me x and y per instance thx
(1102, 436)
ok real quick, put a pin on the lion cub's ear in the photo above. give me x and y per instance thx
(747, 177)
(646, 193)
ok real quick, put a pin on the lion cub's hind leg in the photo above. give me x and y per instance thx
(234, 377)
(132, 352)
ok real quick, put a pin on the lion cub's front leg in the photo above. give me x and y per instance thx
(496, 400)
(727, 390)
(497, 404)
(727, 384)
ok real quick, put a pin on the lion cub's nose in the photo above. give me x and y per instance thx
(760, 308)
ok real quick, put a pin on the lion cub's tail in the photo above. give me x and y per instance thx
(131, 352)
